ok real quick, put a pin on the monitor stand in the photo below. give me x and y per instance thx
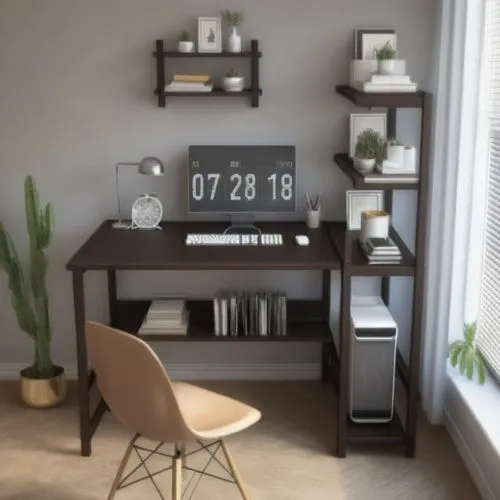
(242, 224)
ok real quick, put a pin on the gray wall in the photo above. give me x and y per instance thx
(76, 97)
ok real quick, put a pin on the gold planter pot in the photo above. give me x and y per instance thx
(43, 393)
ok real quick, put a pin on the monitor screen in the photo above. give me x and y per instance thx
(242, 179)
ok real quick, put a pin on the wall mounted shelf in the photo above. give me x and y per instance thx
(253, 55)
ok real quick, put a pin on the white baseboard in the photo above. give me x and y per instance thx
(207, 371)
(469, 458)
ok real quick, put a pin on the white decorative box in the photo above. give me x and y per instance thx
(361, 70)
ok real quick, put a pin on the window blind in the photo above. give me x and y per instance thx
(489, 308)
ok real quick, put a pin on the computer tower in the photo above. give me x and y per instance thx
(373, 361)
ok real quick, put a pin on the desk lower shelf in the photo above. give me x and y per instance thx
(305, 323)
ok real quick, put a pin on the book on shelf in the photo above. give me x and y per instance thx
(191, 78)
(391, 80)
(188, 87)
(259, 313)
(381, 251)
(383, 178)
(373, 88)
(388, 168)
(166, 317)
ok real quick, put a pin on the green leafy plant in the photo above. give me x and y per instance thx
(184, 36)
(394, 141)
(387, 51)
(233, 17)
(29, 294)
(466, 355)
(232, 73)
(369, 145)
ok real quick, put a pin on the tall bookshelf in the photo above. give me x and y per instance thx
(353, 263)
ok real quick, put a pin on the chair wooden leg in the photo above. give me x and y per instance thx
(234, 471)
(121, 467)
(177, 474)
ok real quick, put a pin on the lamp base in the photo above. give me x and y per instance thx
(122, 225)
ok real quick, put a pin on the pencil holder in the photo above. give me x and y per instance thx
(313, 219)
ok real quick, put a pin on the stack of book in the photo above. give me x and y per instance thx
(166, 317)
(189, 83)
(381, 251)
(389, 83)
(250, 314)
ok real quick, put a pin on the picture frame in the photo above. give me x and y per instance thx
(209, 34)
(359, 201)
(367, 40)
(362, 121)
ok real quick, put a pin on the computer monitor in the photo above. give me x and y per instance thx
(242, 179)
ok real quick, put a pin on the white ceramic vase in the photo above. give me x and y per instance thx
(234, 41)
(395, 154)
(387, 67)
(186, 47)
(233, 84)
(365, 165)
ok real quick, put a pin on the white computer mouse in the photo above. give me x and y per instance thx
(302, 240)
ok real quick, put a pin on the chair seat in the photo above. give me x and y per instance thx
(211, 415)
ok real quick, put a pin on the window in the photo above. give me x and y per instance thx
(489, 306)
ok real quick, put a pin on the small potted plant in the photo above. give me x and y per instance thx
(43, 384)
(234, 19)
(369, 148)
(466, 355)
(232, 82)
(386, 57)
(186, 45)
(395, 151)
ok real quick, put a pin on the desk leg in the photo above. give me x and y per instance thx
(83, 378)
(326, 357)
(112, 297)
(344, 353)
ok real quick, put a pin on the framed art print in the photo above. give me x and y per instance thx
(358, 202)
(209, 34)
(362, 121)
(367, 40)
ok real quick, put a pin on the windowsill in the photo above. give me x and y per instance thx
(483, 402)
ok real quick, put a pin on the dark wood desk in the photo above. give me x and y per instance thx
(111, 250)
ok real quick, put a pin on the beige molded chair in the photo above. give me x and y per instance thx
(137, 390)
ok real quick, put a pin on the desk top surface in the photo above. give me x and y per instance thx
(108, 248)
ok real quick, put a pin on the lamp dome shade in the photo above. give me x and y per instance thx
(151, 166)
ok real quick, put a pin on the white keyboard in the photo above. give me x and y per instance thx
(228, 240)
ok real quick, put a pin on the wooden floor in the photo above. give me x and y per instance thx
(287, 456)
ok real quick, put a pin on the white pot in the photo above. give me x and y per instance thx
(410, 159)
(233, 84)
(387, 67)
(395, 154)
(234, 41)
(186, 47)
(365, 165)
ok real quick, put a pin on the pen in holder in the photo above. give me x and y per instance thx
(313, 215)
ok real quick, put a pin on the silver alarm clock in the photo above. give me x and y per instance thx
(147, 212)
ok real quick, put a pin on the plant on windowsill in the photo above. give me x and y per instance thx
(386, 57)
(466, 355)
(369, 150)
(42, 385)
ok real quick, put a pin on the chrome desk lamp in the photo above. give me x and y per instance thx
(147, 166)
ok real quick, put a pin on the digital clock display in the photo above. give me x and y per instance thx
(234, 179)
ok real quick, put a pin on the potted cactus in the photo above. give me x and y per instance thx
(233, 82)
(185, 44)
(395, 151)
(369, 149)
(43, 384)
(386, 57)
